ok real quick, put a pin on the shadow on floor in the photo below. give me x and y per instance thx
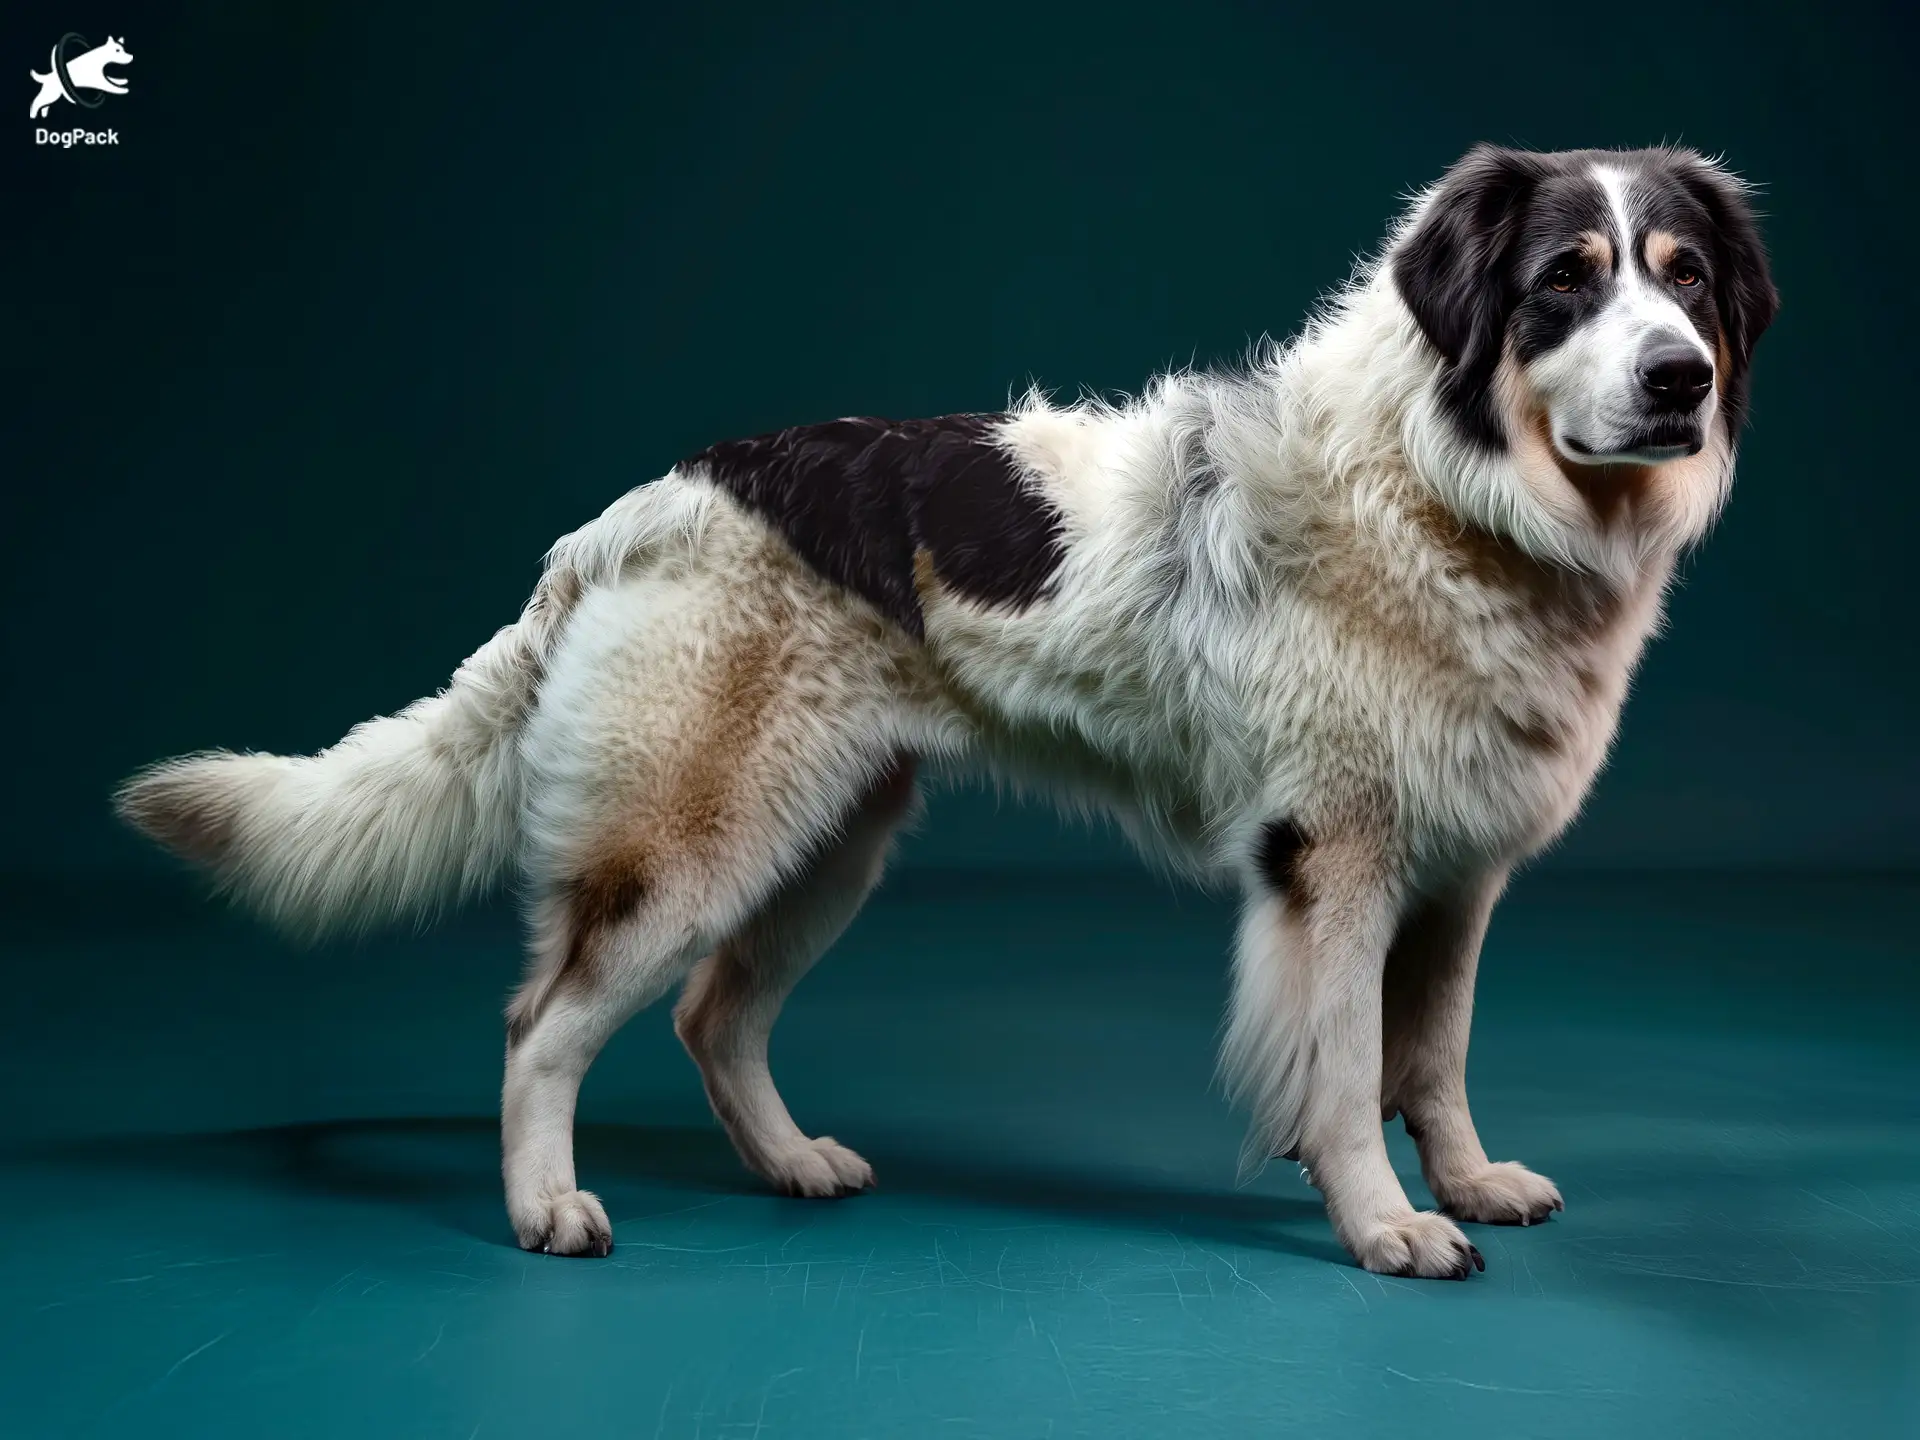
(446, 1169)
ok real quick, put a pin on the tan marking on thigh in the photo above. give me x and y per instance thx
(681, 824)
(705, 788)
(596, 903)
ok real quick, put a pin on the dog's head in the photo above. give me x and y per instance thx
(1594, 313)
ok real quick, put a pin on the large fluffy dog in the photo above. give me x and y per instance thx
(1350, 629)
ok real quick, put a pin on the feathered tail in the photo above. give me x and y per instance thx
(408, 811)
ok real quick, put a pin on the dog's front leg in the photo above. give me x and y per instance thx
(1304, 1044)
(1428, 1006)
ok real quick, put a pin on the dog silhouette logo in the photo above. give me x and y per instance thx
(74, 70)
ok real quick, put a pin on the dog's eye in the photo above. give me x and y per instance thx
(1686, 275)
(1562, 278)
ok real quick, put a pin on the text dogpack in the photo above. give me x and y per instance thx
(67, 139)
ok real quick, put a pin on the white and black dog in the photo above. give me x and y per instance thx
(1350, 630)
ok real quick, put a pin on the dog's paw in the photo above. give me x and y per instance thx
(818, 1169)
(1419, 1244)
(1504, 1194)
(571, 1224)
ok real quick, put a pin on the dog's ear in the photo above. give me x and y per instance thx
(1452, 270)
(1743, 281)
(1451, 266)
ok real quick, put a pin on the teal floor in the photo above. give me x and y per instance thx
(252, 1191)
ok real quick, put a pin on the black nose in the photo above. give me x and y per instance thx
(1676, 377)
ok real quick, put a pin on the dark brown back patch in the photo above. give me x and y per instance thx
(859, 499)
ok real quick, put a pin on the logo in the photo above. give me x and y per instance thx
(74, 72)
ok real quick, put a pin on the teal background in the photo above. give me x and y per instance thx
(371, 303)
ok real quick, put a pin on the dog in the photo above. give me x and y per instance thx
(88, 71)
(1348, 629)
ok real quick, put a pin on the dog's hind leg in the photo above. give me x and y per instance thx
(1428, 1011)
(604, 948)
(728, 1009)
(620, 926)
(700, 740)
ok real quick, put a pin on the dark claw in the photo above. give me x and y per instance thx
(1479, 1260)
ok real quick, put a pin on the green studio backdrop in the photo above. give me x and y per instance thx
(370, 303)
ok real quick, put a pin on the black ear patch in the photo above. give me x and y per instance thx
(1743, 281)
(1452, 271)
(858, 498)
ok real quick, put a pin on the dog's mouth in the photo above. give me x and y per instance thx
(1648, 447)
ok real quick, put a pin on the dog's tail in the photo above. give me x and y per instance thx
(411, 810)
(405, 812)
